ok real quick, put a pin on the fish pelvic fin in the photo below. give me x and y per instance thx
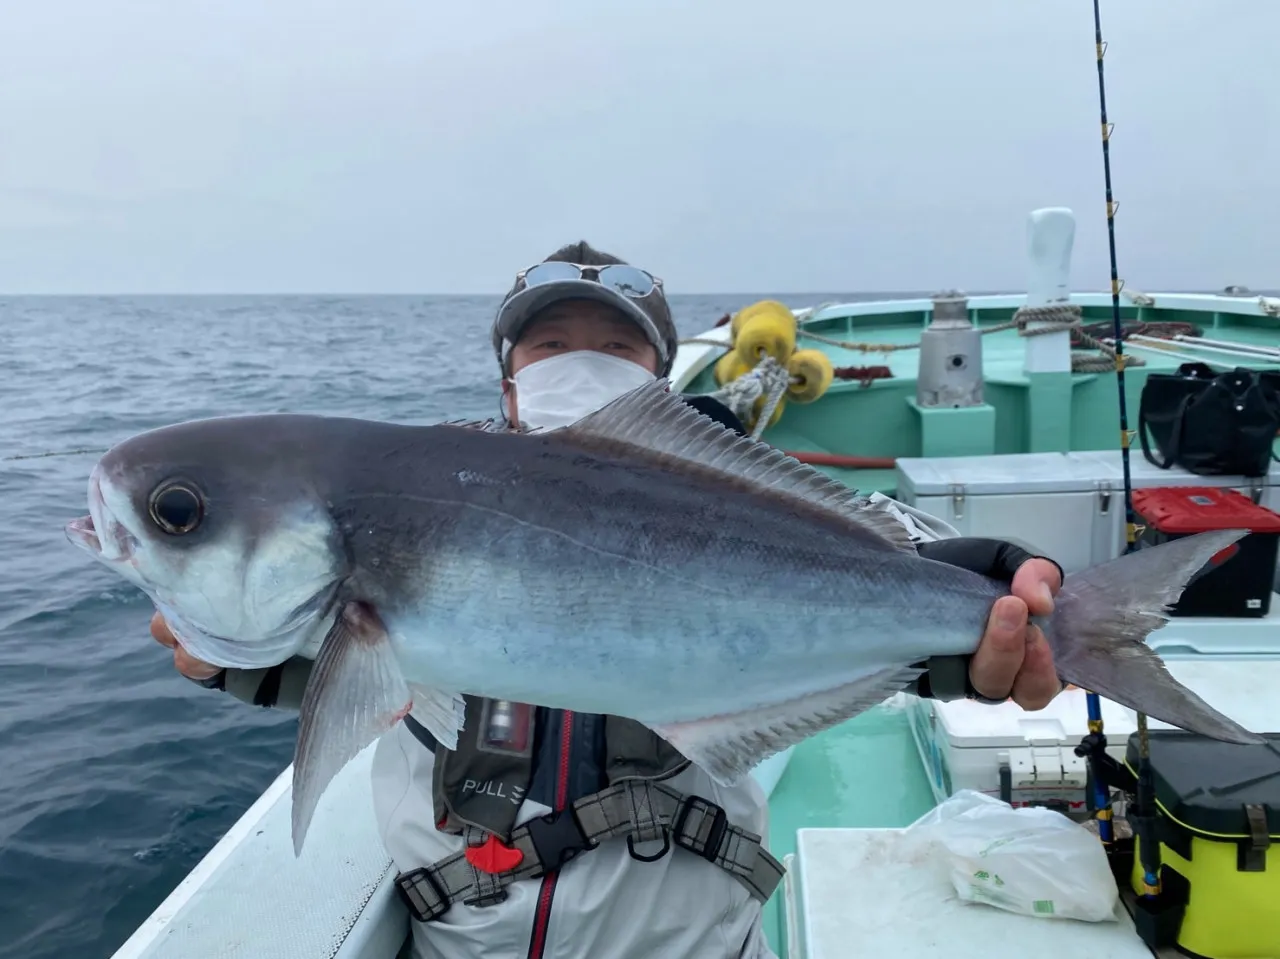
(355, 693)
(1103, 615)
(656, 420)
(728, 747)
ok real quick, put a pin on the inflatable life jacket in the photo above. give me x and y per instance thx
(478, 790)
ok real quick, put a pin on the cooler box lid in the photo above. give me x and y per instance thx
(1006, 473)
(1198, 509)
(1206, 785)
(1243, 687)
(968, 724)
(1108, 464)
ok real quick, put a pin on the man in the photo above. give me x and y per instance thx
(575, 332)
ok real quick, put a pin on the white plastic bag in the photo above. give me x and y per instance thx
(1032, 861)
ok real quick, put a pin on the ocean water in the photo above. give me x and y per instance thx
(116, 774)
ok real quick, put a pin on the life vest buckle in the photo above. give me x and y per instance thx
(557, 838)
(422, 895)
(708, 849)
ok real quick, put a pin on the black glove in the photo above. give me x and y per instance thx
(710, 407)
(947, 677)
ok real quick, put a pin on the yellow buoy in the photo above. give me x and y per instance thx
(767, 333)
(729, 367)
(767, 307)
(811, 374)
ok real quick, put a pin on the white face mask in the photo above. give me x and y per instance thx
(564, 388)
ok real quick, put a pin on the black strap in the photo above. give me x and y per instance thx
(1175, 433)
(1252, 851)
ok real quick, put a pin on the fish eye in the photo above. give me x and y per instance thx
(176, 508)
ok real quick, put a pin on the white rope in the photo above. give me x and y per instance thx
(769, 379)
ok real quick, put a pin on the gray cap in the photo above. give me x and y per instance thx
(651, 312)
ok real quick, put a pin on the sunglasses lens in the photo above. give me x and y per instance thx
(627, 280)
(550, 273)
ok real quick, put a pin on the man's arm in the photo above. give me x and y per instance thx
(1013, 659)
(1017, 657)
(279, 686)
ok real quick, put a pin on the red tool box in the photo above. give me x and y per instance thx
(1242, 584)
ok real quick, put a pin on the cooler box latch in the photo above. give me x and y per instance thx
(1052, 766)
(1252, 855)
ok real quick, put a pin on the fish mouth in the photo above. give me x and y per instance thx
(84, 534)
(100, 534)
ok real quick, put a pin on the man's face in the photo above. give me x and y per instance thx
(577, 325)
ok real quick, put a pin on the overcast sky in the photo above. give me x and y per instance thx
(728, 145)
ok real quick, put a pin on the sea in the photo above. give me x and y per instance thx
(117, 774)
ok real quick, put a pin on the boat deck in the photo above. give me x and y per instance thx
(863, 774)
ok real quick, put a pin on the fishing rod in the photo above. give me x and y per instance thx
(39, 456)
(1142, 814)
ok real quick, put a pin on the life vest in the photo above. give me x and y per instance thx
(478, 790)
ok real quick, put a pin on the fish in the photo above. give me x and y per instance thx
(643, 562)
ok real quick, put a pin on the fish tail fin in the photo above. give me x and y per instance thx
(1103, 615)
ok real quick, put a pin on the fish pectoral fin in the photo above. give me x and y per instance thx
(727, 747)
(355, 693)
(656, 420)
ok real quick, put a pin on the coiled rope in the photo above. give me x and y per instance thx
(769, 379)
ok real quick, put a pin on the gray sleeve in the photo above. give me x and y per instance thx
(946, 677)
(280, 686)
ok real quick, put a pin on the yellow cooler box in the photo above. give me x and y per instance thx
(1218, 822)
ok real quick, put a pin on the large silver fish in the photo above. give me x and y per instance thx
(644, 562)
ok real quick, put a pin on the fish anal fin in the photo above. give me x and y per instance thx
(656, 420)
(354, 694)
(728, 747)
(442, 712)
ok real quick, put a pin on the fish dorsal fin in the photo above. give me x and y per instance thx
(657, 420)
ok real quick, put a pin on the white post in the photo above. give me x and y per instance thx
(1050, 235)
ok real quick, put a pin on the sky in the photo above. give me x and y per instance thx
(413, 146)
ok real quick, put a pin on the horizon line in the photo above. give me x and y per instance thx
(735, 293)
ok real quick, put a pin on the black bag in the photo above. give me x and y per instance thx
(1212, 424)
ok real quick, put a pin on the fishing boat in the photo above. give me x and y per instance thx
(996, 415)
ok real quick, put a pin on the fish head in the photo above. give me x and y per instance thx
(220, 527)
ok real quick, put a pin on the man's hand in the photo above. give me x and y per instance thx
(183, 661)
(1013, 659)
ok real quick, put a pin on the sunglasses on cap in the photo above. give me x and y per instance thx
(630, 281)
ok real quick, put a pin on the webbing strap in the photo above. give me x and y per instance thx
(640, 810)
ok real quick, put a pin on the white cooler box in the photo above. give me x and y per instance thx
(1066, 505)
(1028, 757)
(1022, 757)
